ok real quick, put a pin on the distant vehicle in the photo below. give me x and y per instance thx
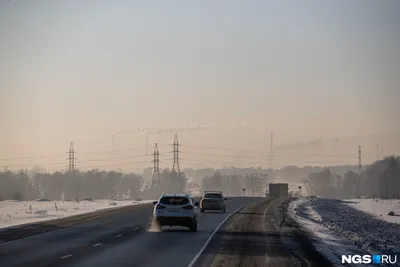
(278, 190)
(176, 210)
(213, 200)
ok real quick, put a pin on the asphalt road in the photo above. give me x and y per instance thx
(112, 238)
(261, 235)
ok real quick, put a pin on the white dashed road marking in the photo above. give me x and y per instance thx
(119, 235)
(137, 228)
(66, 256)
(96, 245)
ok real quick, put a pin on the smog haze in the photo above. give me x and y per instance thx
(322, 76)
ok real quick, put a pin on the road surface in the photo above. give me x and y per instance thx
(120, 239)
(248, 238)
(261, 235)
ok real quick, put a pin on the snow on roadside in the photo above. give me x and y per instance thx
(335, 223)
(14, 213)
(379, 208)
(329, 244)
(371, 234)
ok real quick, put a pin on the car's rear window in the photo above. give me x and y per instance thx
(212, 196)
(174, 201)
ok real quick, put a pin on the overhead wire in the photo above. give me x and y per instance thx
(32, 157)
(279, 156)
(119, 164)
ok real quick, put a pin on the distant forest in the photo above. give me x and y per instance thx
(380, 179)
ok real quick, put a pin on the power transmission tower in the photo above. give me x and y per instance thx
(175, 165)
(71, 158)
(156, 167)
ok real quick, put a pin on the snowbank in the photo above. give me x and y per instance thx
(378, 208)
(334, 221)
(14, 213)
(329, 244)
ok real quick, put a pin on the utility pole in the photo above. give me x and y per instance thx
(147, 141)
(359, 160)
(71, 158)
(156, 168)
(175, 165)
(377, 151)
(271, 164)
(357, 188)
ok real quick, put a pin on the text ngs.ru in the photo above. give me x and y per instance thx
(366, 259)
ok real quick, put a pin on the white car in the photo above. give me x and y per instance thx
(176, 210)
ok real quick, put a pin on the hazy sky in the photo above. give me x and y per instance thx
(82, 70)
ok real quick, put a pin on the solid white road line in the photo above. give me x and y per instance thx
(119, 235)
(66, 256)
(210, 237)
(96, 245)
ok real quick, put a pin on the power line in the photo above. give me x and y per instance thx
(33, 157)
(265, 152)
(352, 155)
(30, 165)
(302, 162)
(240, 157)
(118, 164)
(108, 151)
(225, 156)
(113, 158)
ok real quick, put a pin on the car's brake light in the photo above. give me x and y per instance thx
(160, 207)
(188, 208)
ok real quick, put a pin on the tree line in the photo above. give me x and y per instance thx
(97, 184)
(381, 179)
(378, 180)
(293, 174)
(94, 184)
(232, 184)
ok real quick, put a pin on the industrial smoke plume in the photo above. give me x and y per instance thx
(312, 144)
(183, 128)
(180, 129)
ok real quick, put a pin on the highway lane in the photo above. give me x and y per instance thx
(262, 235)
(44, 249)
(125, 239)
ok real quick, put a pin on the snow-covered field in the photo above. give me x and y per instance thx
(378, 208)
(14, 213)
(341, 227)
